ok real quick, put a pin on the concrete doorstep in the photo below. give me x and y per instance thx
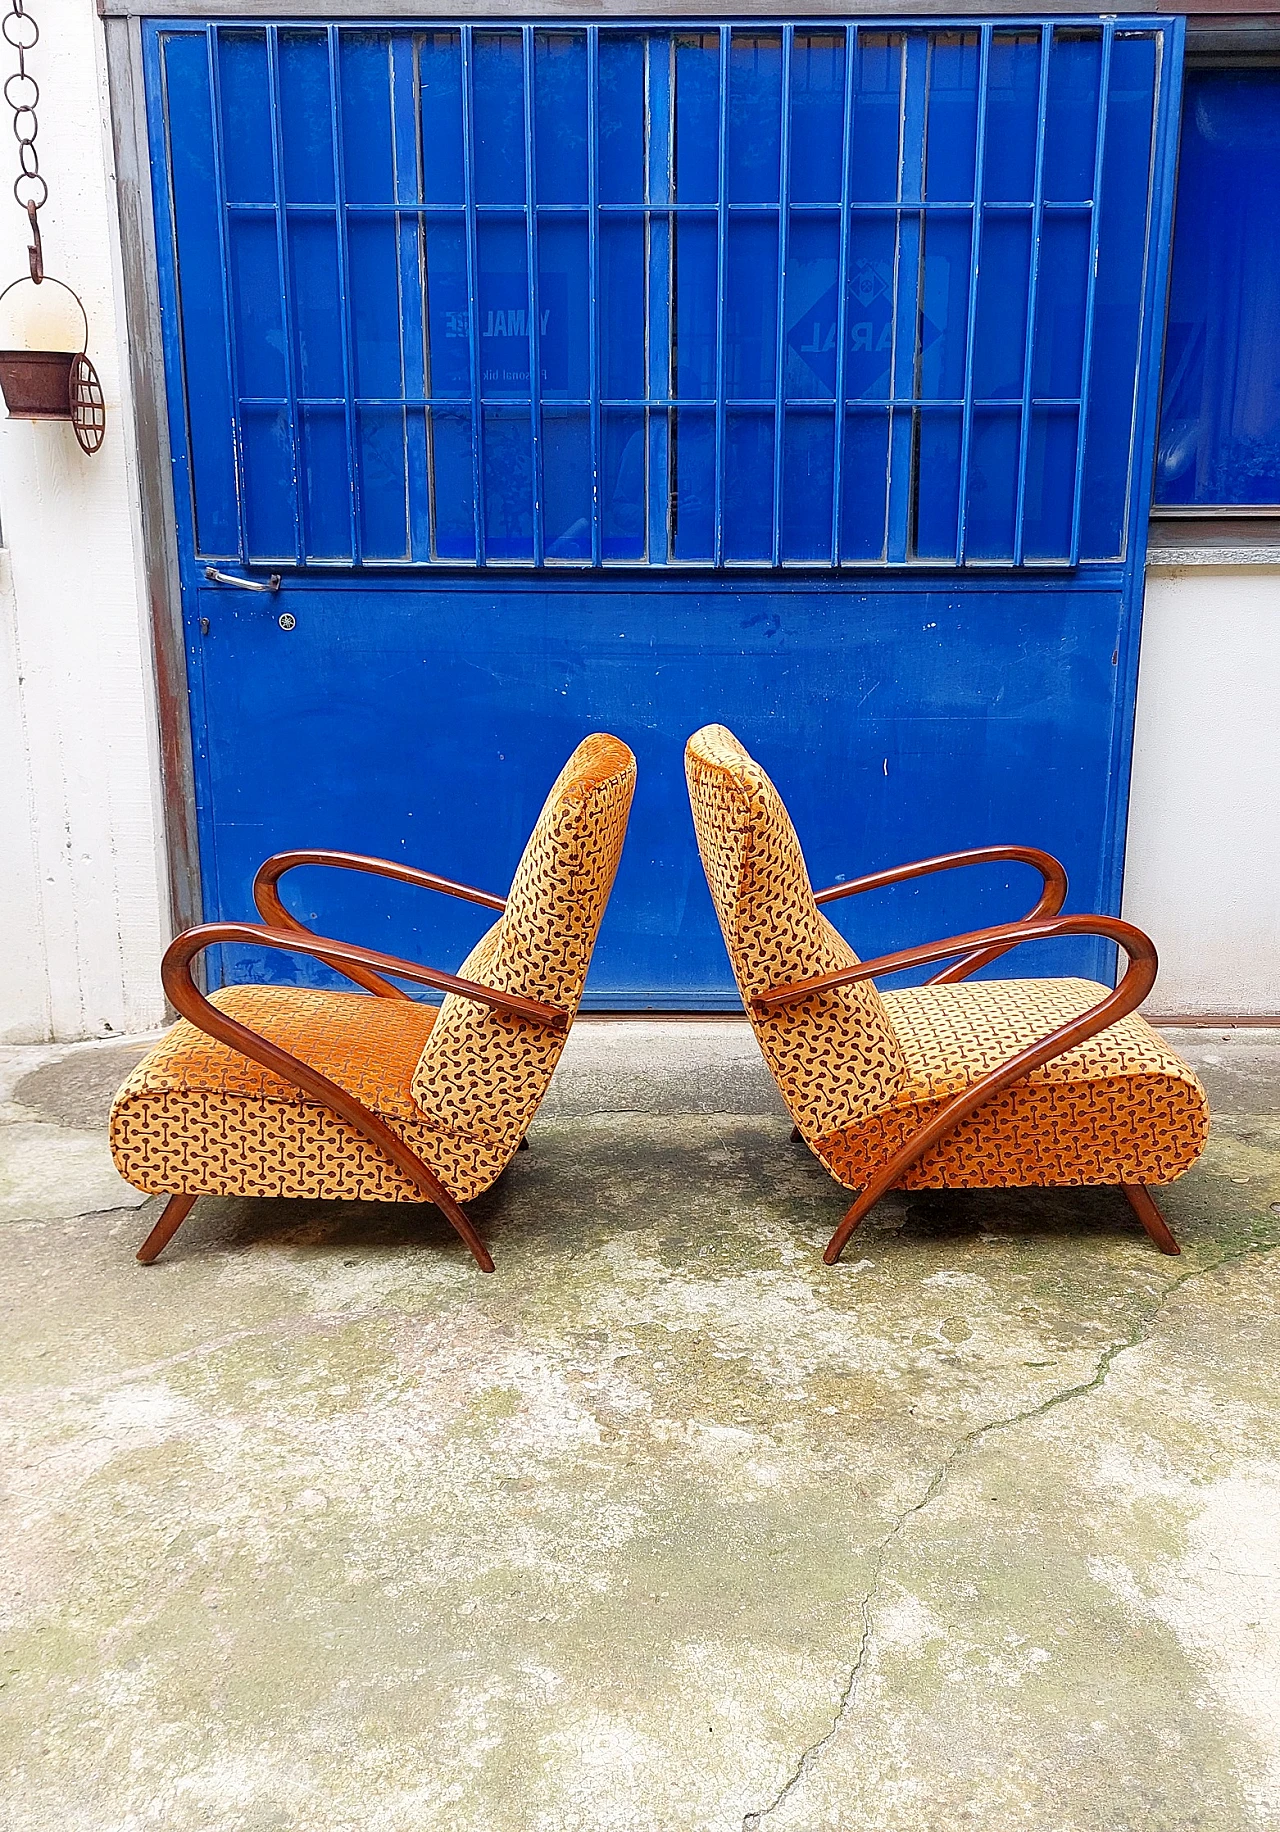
(665, 1527)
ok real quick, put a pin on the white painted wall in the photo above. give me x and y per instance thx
(82, 886)
(1202, 872)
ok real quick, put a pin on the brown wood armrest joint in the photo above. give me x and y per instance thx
(266, 897)
(1135, 984)
(1051, 899)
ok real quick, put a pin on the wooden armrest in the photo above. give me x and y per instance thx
(187, 999)
(1052, 896)
(266, 897)
(1136, 983)
(1139, 948)
(178, 984)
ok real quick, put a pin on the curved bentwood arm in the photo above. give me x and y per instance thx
(266, 897)
(190, 1002)
(1136, 983)
(1051, 899)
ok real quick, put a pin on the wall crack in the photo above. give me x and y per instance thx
(1142, 1330)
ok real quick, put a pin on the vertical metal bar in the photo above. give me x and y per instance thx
(908, 255)
(842, 292)
(722, 246)
(658, 288)
(975, 260)
(344, 288)
(284, 265)
(593, 273)
(228, 298)
(531, 259)
(1095, 226)
(784, 229)
(1033, 288)
(473, 298)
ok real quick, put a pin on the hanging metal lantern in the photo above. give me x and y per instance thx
(43, 384)
(55, 384)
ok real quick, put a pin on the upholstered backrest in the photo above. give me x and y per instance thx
(483, 1073)
(834, 1055)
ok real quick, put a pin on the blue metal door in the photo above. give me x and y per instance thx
(797, 376)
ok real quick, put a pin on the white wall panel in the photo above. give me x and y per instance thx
(1203, 867)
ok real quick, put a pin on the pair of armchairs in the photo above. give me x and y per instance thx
(372, 1096)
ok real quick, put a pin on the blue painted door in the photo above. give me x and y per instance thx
(796, 376)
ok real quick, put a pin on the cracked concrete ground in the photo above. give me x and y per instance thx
(663, 1528)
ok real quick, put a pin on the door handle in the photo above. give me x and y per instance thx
(245, 585)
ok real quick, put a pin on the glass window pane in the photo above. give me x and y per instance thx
(748, 484)
(1220, 415)
(1013, 104)
(1000, 334)
(817, 117)
(693, 484)
(374, 275)
(317, 306)
(813, 269)
(246, 117)
(564, 318)
(755, 116)
(326, 483)
(1061, 296)
(306, 118)
(622, 307)
(448, 369)
(497, 82)
(944, 307)
(621, 118)
(938, 443)
(864, 485)
(1051, 482)
(877, 117)
(560, 116)
(368, 163)
(1071, 119)
(508, 484)
(440, 75)
(808, 471)
(695, 306)
(566, 483)
(384, 526)
(992, 503)
(952, 117)
(268, 483)
(697, 117)
(452, 492)
(872, 303)
(751, 307)
(503, 306)
(623, 465)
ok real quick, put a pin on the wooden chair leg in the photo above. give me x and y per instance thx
(524, 1143)
(796, 1135)
(172, 1216)
(1143, 1206)
(861, 1208)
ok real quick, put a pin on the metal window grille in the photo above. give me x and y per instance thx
(765, 295)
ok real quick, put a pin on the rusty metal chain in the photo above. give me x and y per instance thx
(22, 93)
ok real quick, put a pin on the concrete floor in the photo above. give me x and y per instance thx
(665, 1527)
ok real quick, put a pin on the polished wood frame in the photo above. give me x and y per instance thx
(975, 950)
(366, 968)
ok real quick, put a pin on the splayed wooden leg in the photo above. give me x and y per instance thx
(172, 1216)
(1143, 1206)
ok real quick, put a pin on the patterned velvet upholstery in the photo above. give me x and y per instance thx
(459, 1085)
(861, 1070)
